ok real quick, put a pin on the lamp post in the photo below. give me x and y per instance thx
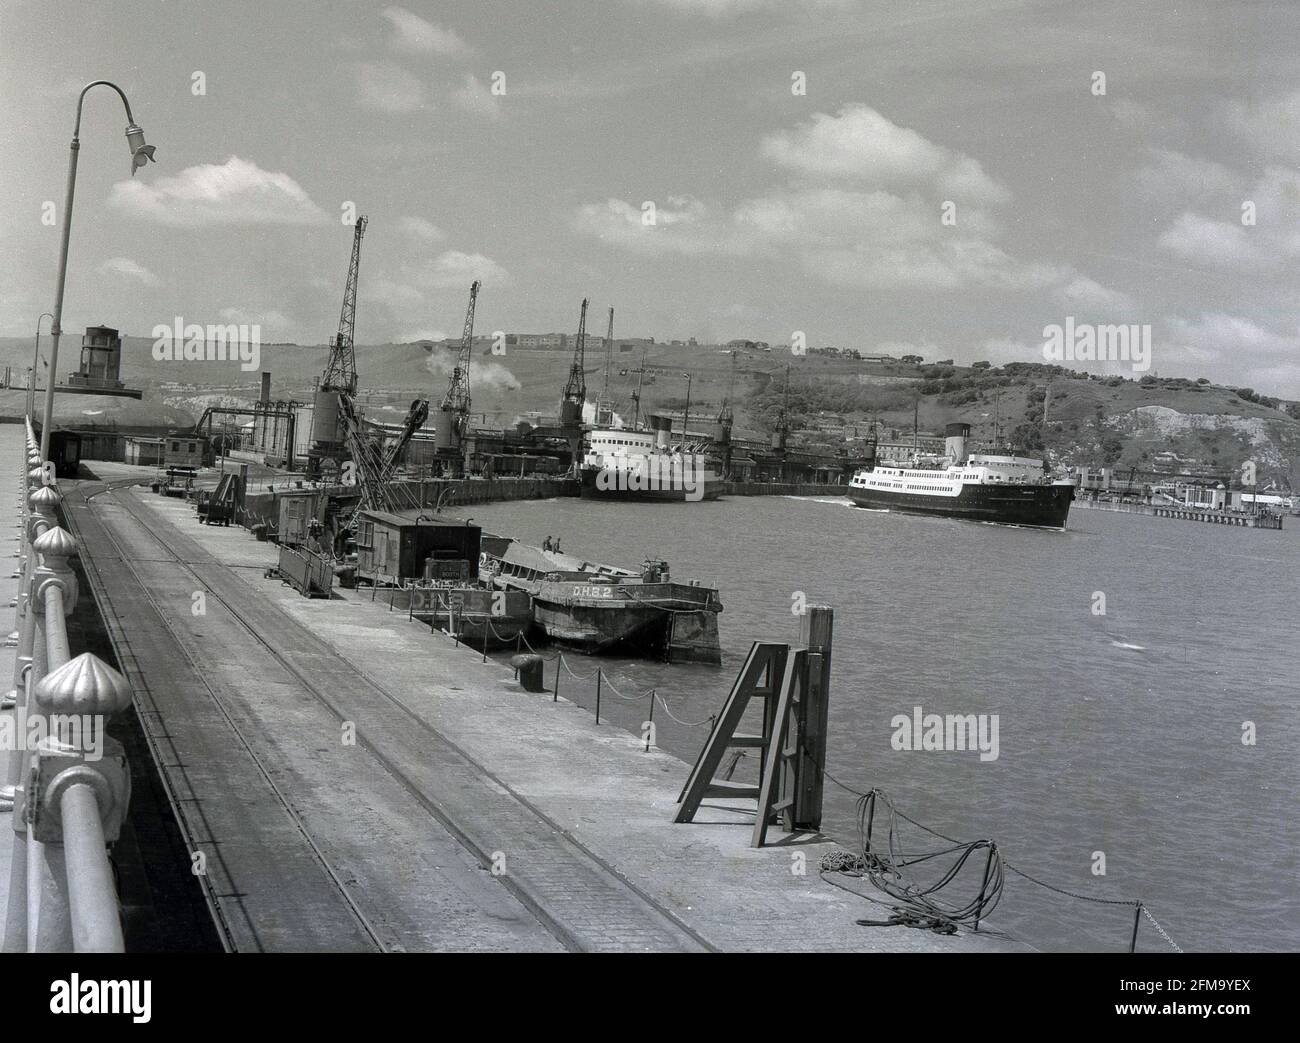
(140, 155)
(36, 362)
(686, 417)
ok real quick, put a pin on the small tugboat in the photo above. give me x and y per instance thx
(1008, 489)
(596, 608)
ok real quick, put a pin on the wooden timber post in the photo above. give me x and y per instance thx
(816, 627)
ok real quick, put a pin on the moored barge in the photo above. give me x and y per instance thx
(596, 608)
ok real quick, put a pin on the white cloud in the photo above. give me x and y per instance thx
(844, 237)
(413, 35)
(129, 269)
(1174, 178)
(679, 226)
(1233, 350)
(237, 192)
(453, 269)
(393, 294)
(420, 228)
(411, 336)
(1083, 294)
(1271, 126)
(860, 144)
(386, 87)
(268, 320)
(864, 208)
(725, 8)
(409, 291)
(476, 97)
(1271, 243)
(1001, 350)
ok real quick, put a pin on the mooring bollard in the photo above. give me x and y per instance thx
(528, 668)
(650, 721)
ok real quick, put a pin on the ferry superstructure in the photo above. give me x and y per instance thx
(625, 464)
(982, 487)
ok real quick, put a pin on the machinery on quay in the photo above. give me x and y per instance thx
(451, 421)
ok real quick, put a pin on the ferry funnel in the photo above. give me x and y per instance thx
(954, 442)
(662, 427)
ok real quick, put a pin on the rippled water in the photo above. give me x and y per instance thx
(1120, 734)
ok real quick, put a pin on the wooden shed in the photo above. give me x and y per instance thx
(298, 508)
(143, 450)
(185, 450)
(395, 549)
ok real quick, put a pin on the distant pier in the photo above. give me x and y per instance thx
(1241, 518)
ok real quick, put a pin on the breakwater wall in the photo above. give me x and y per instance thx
(1239, 518)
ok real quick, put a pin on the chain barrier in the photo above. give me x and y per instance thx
(1163, 933)
(1136, 905)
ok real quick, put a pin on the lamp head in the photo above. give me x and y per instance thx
(140, 152)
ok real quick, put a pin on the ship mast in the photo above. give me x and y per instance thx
(636, 395)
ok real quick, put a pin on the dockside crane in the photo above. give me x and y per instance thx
(726, 414)
(575, 392)
(575, 389)
(341, 369)
(452, 421)
(604, 408)
(375, 465)
(781, 436)
(723, 424)
(329, 432)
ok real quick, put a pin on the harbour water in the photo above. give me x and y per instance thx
(1119, 733)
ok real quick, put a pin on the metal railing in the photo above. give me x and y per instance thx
(66, 781)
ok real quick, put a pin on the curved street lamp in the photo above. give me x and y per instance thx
(141, 154)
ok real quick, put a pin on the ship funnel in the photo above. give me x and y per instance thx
(662, 427)
(954, 442)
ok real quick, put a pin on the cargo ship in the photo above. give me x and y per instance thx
(598, 609)
(640, 466)
(1014, 490)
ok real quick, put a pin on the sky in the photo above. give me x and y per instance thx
(939, 177)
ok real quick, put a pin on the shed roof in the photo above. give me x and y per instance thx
(398, 521)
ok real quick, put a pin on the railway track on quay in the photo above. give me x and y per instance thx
(400, 841)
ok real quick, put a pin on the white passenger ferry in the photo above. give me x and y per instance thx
(982, 487)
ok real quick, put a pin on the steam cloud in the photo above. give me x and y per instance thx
(483, 376)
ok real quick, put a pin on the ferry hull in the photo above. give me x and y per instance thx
(1045, 506)
(708, 489)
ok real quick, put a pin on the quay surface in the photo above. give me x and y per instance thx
(312, 843)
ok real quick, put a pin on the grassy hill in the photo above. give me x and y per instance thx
(1091, 419)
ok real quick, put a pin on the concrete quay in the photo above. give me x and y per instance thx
(468, 814)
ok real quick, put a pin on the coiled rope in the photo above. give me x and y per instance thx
(917, 904)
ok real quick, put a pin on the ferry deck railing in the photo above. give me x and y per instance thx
(66, 781)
